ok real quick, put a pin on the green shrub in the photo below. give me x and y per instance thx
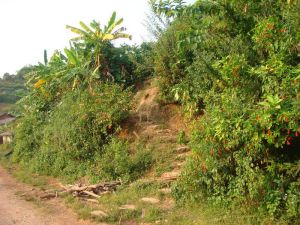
(117, 162)
(142, 58)
(66, 140)
(75, 103)
(181, 137)
(169, 63)
(28, 137)
(238, 64)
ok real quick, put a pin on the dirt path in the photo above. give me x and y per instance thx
(14, 210)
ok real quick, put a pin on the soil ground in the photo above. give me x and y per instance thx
(17, 211)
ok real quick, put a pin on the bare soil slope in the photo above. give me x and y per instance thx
(156, 125)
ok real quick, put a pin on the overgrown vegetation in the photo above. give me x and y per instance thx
(75, 104)
(237, 63)
(233, 65)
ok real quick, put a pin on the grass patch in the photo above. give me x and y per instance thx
(191, 214)
(23, 174)
(203, 214)
(5, 150)
(83, 210)
(163, 156)
(29, 178)
(130, 195)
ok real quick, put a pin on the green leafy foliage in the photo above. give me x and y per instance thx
(237, 63)
(65, 141)
(143, 60)
(118, 162)
(234, 67)
(75, 103)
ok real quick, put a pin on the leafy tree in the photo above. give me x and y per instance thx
(12, 85)
(142, 59)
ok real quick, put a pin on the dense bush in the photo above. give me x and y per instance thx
(72, 133)
(238, 63)
(118, 161)
(168, 65)
(75, 104)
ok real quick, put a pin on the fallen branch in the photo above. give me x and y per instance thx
(91, 194)
(48, 196)
(95, 190)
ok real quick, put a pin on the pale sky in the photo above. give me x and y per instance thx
(30, 26)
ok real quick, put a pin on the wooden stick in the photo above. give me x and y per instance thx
(91, 194)
(47, 196)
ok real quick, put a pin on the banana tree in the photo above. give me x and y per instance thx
(93, 39)
(83, 63)
(62, 71)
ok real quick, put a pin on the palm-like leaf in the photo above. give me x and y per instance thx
(122, 35)
(73, 59)
(95, 34)
(112, 19)
(76, 30)
(85, 27)
(108, 37)
(91, 39)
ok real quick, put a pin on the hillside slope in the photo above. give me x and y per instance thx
(159, 129)
(156, 126)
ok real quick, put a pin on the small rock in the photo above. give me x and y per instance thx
(99, 213)
(183, 156)
(150, 200)
(178, 164)
(172, 174)
(166, 190)
(182, 149)
(165, 131)
(129, 207)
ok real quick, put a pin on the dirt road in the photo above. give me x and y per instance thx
(16, 211)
